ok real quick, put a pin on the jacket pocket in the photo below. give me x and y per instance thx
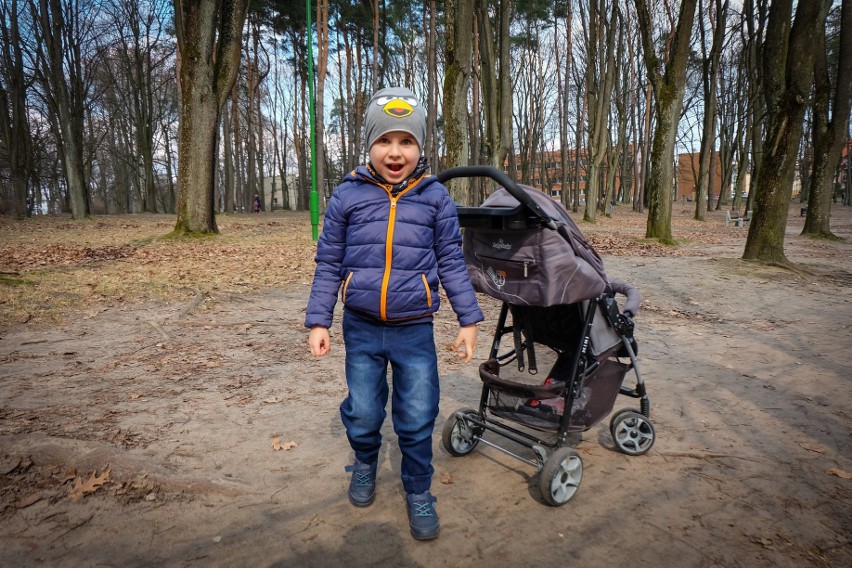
(346, 285)
(428, 290)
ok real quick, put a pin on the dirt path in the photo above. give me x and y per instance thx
(183, 403)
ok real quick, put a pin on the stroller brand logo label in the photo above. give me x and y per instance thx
(496, 276)
(500, 245)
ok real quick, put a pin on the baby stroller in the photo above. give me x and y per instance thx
(522, 248)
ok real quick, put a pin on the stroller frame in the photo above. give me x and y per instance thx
(559, 465)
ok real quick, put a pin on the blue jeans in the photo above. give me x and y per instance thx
(410, 350)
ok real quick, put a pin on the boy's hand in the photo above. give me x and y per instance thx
(467, 335)
(320, 341)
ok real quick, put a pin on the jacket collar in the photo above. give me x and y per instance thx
(368, 173)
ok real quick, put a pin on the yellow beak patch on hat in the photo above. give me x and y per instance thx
(398, 108)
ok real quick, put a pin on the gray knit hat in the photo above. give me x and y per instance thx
(394, 108)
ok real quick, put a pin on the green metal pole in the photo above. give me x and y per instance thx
(314, 202)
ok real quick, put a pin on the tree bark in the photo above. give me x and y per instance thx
(831, 132)
(58, 41)
(668, 99)
(708, 132)
(459, 46)
(599, 31)
(496, 81)
(14, 124)
(209, 40)
(788, 74)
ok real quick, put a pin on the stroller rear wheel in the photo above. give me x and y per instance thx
(560, 477)
(459, 436)
(632, 432)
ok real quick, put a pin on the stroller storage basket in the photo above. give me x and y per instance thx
(541, 406)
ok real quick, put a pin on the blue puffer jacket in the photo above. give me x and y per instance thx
(389, 253)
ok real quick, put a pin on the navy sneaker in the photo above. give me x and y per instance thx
(422, 516)
(362, 486)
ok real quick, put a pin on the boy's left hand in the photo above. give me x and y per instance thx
(467, 335)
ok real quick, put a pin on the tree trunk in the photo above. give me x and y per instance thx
(599, 32)
(788, 74)
(562, 101)
(668, 95)
(207, 68)
(832, 133)
(496, 82)
(708, 133)
(57, 38)
(14, 124)
(459, 45)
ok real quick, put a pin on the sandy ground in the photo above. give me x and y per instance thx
(147, 435)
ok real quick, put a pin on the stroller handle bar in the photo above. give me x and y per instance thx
(505, 181)
(631, 305)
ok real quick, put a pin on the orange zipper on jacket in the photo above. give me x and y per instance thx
(383, 302)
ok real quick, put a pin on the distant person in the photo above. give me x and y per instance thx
(390, 236)
(256, 203)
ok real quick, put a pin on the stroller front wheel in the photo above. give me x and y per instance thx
(632, 432)
(560, 476)
(459, 436)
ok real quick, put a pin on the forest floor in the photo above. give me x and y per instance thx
(159, 406)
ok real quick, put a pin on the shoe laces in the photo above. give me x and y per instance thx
(422, 505)
(422, 508)
(363, 478)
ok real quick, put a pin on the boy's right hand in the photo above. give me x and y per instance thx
(320, 341)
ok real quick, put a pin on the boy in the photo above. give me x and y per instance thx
(390, 235)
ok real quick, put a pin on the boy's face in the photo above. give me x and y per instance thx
(394, 155)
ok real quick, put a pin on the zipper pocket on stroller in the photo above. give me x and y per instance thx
(508, 268)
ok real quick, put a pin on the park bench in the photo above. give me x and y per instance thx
(736, 219)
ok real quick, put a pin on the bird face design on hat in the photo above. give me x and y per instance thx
(397, 107)
(394, 109)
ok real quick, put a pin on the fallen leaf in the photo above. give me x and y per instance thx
(247, 327)
(839, 473)
(446, 478)
(272, 400)
(135, 395)
(277, 445)
(80, 488)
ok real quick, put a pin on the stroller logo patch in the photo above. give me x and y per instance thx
(500, 245)
(498, 277)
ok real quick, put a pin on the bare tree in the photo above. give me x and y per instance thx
(668, 97)
(787, 78)
(496, 80)
(209, 38)
(709, 80)
(60, 33)
(830, 133)
(599, 28)
(459, 42)
(14, 122)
